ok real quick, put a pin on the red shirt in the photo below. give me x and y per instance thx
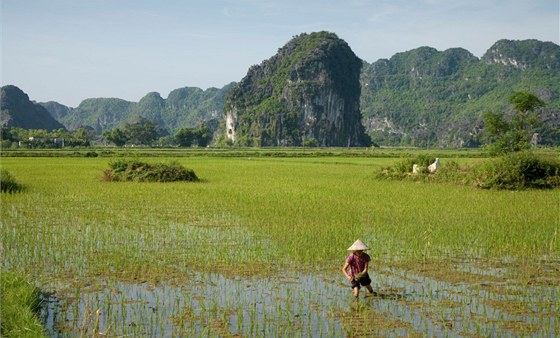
(357, 263)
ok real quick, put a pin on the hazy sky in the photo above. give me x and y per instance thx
(70, 50)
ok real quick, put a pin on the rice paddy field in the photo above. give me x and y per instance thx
(256, 247)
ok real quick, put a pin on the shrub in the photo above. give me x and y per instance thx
(518, 171)
(310, 142)
(452, 172)
(8, 183)
(138, 171)
(403, 168)
(91, 154)
(515, 171)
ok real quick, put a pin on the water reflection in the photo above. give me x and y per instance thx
(293, 304)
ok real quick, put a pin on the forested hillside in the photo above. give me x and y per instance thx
(425, 97)
(184, 107)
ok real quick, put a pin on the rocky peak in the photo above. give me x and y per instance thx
(152, 98)
(307, 93)
(57, 110)
(524, 54)
(18, 111)
(427, 61)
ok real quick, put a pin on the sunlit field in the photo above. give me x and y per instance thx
(255, 248)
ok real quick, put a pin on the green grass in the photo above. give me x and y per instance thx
(18, 307)
(244, 152)
(296, 210)
(252, 216)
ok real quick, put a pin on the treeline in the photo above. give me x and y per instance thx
(141, 132)
(147, 133)
(16, 137)
(501, 132)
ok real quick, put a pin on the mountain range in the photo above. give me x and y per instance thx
(422, 97)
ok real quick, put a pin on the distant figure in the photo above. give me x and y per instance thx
(432, 167)
(535, 140)
(358, 262)
(415, 169)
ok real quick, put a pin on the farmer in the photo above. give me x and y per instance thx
(358, 262)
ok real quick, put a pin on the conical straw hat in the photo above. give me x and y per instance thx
(358, 245)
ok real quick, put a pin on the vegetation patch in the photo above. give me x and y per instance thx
(514, 171)
(521, 327)
(123, 170)
(514, 307)
(403, 168)
(518, 171)
(8, 183)
(364, 321)
(19, 303)
(444, 270)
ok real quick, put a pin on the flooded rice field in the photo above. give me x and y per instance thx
(256, 250)
(437, 298)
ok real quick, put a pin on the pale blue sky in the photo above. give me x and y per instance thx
(70, 50)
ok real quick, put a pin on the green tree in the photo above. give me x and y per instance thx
(203, 135)
(166, 141)
(506, 136)
(142, 132)
(525, 102)
(21, 134)
(80, 137)
(185, 137)
(116, 136)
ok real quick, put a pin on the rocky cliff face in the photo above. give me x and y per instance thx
(18, 111)
(307, 94)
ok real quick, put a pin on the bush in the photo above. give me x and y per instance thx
(137, 171)
(403, 168)
(515, 171)
(518, 171)
(310, 142)
(8, 183)
(452, 172)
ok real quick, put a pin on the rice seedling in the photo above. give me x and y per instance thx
(255, 247)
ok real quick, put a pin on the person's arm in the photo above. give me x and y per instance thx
(344, 268)
(365, 269)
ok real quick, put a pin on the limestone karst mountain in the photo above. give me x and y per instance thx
(429, 98)
(307, 93)
(18, 111)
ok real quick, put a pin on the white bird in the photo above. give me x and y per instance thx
(432, 167)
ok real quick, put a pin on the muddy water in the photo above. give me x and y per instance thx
(407, 301)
